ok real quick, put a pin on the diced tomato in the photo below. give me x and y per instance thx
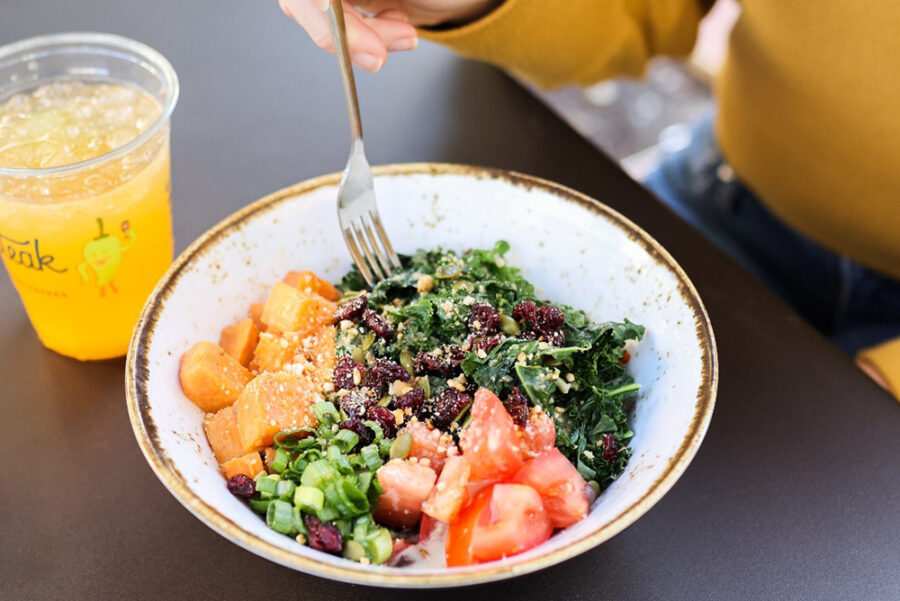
(406, 485)
(450, 493)
(429, 443)
(426, 526)
(490, 442)
(504, 519)
(458, 548)
(539, 434)
(562, 489)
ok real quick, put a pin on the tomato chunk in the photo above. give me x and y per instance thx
(406, 485)
(539, 434)
(562, 489)
(450, 493)
(504, 519)
(490, 442)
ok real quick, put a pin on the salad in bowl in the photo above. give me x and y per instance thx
(445, 417)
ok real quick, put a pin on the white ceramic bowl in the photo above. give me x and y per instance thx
(576, 251)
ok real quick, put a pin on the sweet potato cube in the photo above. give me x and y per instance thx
(212, 378)
(272, 352)
(240, 339)
(222, 433)
(291, 310)
(255, 313)
(273, 402)
(249, 465)
(307, 281)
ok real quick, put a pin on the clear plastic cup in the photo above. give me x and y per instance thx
(85, 243)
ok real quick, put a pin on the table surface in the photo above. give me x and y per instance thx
(793, 495)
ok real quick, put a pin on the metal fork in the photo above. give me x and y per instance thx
(357, 211)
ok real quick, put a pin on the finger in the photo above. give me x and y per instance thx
(396, 34)
(365, 46)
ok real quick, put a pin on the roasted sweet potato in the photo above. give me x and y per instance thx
(255, 313)
(249, 465)
(212, 378)
(240, 339)
(307, 281)
(289, 309)
(272, 352)
(273, 402)
(222, 433)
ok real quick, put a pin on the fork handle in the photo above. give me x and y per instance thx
(339, 36)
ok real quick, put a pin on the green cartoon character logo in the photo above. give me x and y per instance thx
(102, 257)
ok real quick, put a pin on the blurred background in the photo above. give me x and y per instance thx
(637, 122)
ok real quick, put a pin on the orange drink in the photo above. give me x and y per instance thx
(85, 221)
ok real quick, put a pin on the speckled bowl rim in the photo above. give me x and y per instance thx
(136, 375)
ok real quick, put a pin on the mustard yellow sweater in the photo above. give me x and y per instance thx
(809, 101)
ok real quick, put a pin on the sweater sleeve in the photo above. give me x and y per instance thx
(885, 358)
(554, 42)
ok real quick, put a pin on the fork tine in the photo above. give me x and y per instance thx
(373, 263)
(377, 248)
(358, 258)
(385, 241)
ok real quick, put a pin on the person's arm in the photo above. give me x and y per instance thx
(882, 364)
(552, 43)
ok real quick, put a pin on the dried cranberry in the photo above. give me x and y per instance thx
(517, 407)
(365, 433)
(344, 378)
(526, 312)
(443, 361)
(385, 371)
(411, 400)
(610, 449)
(352, 308)
(549, 318)
(556, 338)
(444, 407)
(384, 418)
(483, 319)
(378, 324)
(487, 343)
(357, 402)
(322, 536)
(242, 486)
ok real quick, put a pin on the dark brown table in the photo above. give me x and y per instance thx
(795, 494)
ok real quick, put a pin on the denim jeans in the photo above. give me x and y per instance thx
(852, 305)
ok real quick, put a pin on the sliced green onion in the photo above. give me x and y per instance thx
(309, 498)
(325, 431)
(267, 486)
(280, 517)
(318, 473)
(299, 525)
(362, 526)
(281, 460)
(401, 446)
(371, 457)
(376, 427)
(340, 461)
(285, 490)
(343, 526)
(260, 505)
(353, 550)
(328, 514)
(326, 412)
(364, 481)
(345, 440)
(379, 545)
(293, 438)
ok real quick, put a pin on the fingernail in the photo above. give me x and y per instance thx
(369, 62)
(322, 4)
(404, 44)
